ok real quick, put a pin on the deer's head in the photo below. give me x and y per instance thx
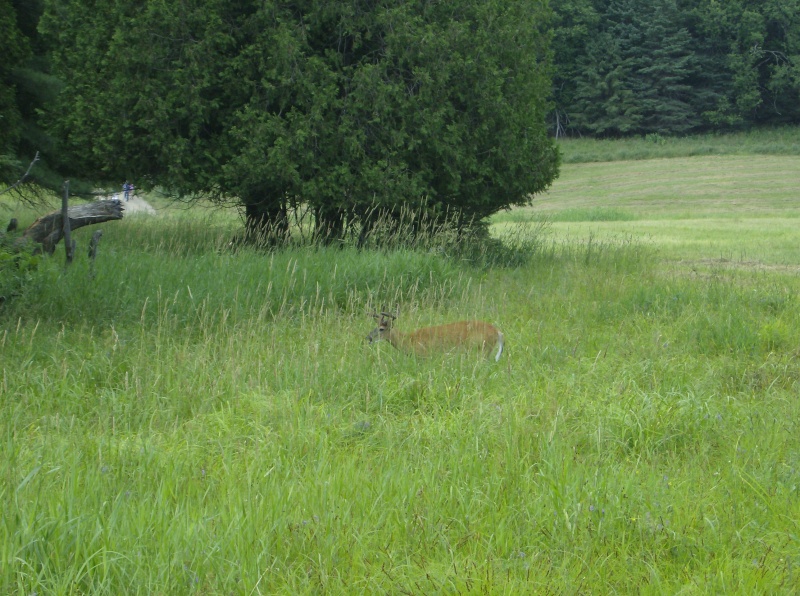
(384, 327)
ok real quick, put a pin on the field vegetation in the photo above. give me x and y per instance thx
(717, 199)
(189, 419)
(763, 141)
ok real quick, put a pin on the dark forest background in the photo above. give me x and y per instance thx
(672, 67)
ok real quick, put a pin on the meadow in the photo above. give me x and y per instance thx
(183, 419)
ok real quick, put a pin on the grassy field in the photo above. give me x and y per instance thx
(717, 209)
(191, 421)
(776, 141)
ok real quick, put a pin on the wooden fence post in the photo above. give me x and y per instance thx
(69, 245)
(93, 251)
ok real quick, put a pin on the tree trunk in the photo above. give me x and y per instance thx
(267, 222)
(328, 225)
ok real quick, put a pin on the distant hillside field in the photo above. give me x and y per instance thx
(744, 207)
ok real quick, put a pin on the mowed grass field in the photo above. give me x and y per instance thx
(744, 209)
(190, 420)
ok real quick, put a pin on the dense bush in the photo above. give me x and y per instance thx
(359, 111)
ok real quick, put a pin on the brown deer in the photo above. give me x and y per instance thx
(470, 335)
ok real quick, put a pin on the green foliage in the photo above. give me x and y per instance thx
(351, 110)
(16, 271)
(574, 24)
(672, 66)
(15, 49)
(27, 91)
(635, 73)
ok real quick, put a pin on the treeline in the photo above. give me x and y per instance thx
(673, 67)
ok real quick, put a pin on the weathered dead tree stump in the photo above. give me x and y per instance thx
(48, 230)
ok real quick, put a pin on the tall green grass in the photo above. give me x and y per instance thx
(197, 421)
(190, 419)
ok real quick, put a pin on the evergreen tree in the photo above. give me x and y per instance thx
(630, 66)
(26, 91)
(604, 100)
(663, 62)
(575, 25)
(15, 49)
(347, 107)
(711, 28)
(780, 60)
(634, 75)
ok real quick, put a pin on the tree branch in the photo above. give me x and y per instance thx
(24, 176)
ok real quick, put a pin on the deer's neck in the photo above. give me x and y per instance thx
(399, 340)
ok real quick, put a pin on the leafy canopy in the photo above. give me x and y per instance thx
(343, 106)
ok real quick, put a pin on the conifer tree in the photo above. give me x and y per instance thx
(15, 49)
(634, 76)
(349, 108)
(26, 91)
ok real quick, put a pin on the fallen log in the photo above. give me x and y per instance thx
(48, 230)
